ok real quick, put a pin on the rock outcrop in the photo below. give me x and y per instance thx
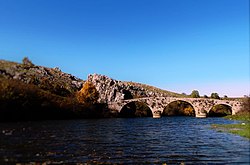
(112, 90)
(109, 89)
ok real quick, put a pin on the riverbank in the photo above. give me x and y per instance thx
(242, 128)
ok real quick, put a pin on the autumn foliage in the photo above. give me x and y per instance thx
(188, 111)
(88, 94)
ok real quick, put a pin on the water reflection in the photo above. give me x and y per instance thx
(140, 140)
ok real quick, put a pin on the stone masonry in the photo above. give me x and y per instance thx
(200, 105)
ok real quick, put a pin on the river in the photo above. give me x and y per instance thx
(170, 140)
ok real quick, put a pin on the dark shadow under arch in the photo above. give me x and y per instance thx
(135, 109)
(179, 108)
(220, 110)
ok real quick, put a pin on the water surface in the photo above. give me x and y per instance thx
(169, 140)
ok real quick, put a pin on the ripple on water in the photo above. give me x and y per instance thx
(143, 140)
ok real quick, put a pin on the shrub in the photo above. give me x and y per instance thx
(21, 101)
(27, 62)
(245, 105)
(88, 94)
(189, 111)
(195, 94)
(215, 96)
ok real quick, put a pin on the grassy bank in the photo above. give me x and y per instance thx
(242, 128)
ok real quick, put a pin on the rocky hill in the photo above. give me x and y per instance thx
(51, 79)
(64, 84)
(30, 92)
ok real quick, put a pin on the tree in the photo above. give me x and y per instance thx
(195, 94)
(88, 94)
(245, 108)
(27, 62)
(205, 96)
(215, 96)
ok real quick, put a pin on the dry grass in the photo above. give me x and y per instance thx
(155, 89)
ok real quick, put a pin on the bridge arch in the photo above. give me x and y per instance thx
(220, 110)
(157, 104)
(179, 107)
(136, 109)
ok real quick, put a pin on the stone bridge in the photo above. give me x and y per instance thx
(158, 104)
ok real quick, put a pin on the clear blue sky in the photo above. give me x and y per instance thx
(177, 45)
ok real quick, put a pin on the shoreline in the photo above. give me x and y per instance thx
(242, 128)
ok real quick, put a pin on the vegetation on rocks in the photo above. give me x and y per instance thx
(88, 94)
(21, 101)
(154, 90)
(49, 79)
